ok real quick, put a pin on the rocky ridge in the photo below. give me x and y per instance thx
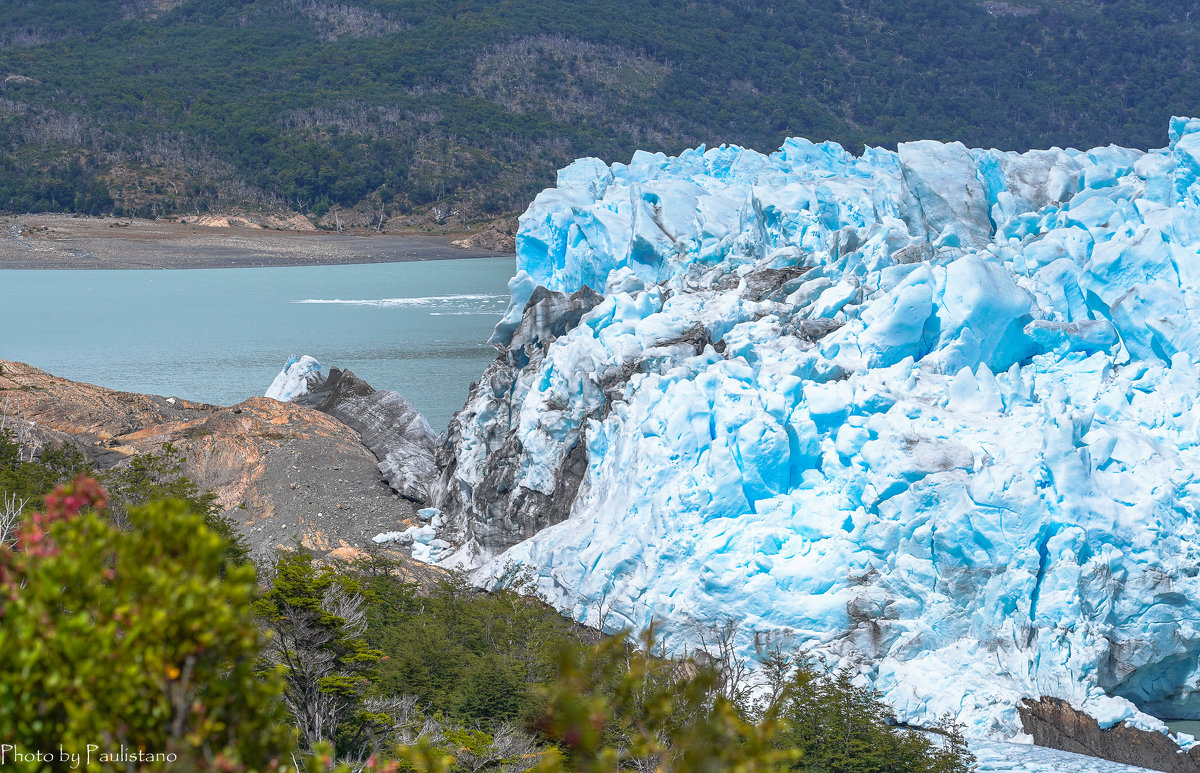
(477, 487)
(285, 473)
(395, 432)
(1053, 723)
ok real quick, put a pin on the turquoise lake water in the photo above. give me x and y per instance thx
(1189, 726)
(221, 335)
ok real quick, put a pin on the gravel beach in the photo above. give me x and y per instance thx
(67, 242)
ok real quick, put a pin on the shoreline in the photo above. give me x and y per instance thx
(55, 242)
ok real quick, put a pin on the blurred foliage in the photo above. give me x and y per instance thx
(132, 638)
(465, 111)
(616, 707)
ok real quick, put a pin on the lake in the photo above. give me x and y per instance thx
(221, 335)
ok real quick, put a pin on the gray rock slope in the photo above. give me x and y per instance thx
(390, 426)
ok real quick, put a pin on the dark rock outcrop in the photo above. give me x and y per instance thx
(390, 426)
(815, 329)
(1054, 723)
(547, 315)
(490, 509)
(480, 488)
(772, 283)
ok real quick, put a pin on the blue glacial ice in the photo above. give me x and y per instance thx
(1000, 757)
(293, 380)
(941, 425)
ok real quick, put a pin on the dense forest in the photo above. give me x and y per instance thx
(457, 112)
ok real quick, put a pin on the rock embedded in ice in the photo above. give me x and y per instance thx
(390, 426)
(1052, 723)
(932, 415)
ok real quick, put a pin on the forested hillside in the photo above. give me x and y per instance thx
(456, 112)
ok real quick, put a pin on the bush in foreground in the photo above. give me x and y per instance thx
(618, 707)
(131, 642)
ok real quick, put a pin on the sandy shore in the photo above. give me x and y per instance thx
(66, 242)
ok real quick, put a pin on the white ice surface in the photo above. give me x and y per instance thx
(1001, 757)
(292, 381)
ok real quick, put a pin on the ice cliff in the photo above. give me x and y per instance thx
(930, 413)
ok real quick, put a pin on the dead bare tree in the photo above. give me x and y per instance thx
(508, 743)
(336, 20)
(349, 606)
(719, 642)
(12, 420)
(604, 610)
(400, 723)
(306, 644)
(28, 37)
(10, 518)
(514, 74)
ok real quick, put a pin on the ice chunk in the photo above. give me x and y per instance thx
(945, 197)
(1185, 149)
(591, 174)
(293, 380)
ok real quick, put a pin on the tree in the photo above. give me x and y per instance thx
(841, 727)
(472, 657)
(134, 638)
(318, 618)
(29, 471)
(620, 707)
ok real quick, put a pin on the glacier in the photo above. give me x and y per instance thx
(930, 414)
(1000, 757)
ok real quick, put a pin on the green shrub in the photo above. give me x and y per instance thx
(159, 475)
(620, 707)
(28, 479)
(133, 638)
(471, 657)
(838, 726)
